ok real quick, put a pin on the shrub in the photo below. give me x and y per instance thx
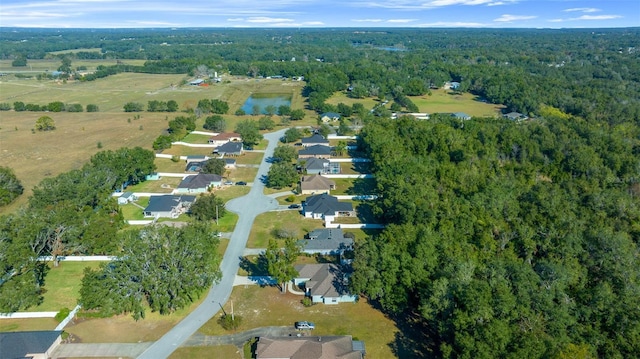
(175, 158)
(307, 302)
(92, 108)
(229, 322)
(290, 198)
(63, 313)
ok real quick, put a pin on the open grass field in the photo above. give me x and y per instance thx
(445, 101)
(268, 307)
(247, 174)
(78, 135)
(440, 101)
(62, 286)
(36, 66)
(250, 158)
(267, 222)
(34, 156)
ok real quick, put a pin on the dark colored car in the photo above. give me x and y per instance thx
(293, 206)
(241, 183)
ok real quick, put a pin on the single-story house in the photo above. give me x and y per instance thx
(313, 184)
(168, 206)
(38, 344)
(324, 206)
(324, 283)
(230, 149)
(319, 165)
(127, 197)
(199, 183)
(461, 116)
(515, 116)
(329, 241)
(315, 139)
(310, 347)
(224, 137)
(196, 82)
(329, 117)
(317, 151)
(229, 162)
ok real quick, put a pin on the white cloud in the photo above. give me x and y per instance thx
(266, 20)
(400, 21)
(234, 19)
(582, 9)
(453, 24)
(367, 20)
(428, 4)
(510, 18)
(596, 17)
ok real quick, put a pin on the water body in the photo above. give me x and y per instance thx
(260, 101)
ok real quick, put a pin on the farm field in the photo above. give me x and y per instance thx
(268, 307)
(78, 136)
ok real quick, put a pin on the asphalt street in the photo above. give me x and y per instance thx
(247, 208)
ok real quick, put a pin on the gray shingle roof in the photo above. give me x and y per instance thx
(315, 138)
(326, 204)
(19, 344)
(326, 239)
(315, 150)
(201, 180)
(167, 202)
(230, 147)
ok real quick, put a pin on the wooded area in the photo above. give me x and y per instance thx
(507, 240)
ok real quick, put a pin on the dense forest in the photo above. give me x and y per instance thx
(504, 239)
(507, 240)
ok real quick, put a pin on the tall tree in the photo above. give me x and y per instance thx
(280, 261)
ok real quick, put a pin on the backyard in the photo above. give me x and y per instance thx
(291, 220)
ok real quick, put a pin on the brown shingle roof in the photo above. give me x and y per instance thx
(317, 183)
(315, 347)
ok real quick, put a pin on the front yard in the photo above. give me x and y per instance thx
(266, 306)
(266, 223)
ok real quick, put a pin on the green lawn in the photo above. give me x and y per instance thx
(196, 138)
(268, 307)
(247, 174)
(163, 185)
(62, 286)
(250, 158)
(133, 212)
(168, 165)
(444, 101)
(266, 223)
(21, 325)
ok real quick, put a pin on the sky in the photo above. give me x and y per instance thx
(320, 13)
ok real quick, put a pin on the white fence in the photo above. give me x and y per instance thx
(362, 197)
(349, 160)
(336, 137)
(355, 225)
(203, 145)
(348, 176)
(27, 315)
(140, 222)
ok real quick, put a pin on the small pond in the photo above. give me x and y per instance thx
(260, 101)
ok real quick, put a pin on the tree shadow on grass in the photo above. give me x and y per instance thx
(256, 266)
(362, 187)
(414, 338)
(365, 213)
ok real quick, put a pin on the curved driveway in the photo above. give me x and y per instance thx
(247, 208)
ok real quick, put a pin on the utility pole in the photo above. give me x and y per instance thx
(216, 214)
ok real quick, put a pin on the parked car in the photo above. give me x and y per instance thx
(228, 183)
(241, 183)
(305, 325)
(294, 206)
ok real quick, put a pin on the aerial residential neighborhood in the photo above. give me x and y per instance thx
(406, 190)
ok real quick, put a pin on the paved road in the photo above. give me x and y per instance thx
(199, 340)
(247, 208)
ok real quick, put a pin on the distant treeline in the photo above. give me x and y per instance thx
(55, 106)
